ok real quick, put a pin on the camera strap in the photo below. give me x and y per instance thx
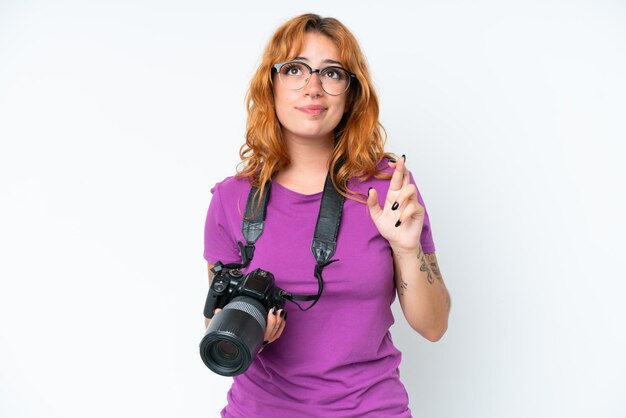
(324, 239)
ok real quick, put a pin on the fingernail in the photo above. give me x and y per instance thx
(282, 314)
(398, 223)
(394, 206)
(404, 156)
(274, 310)
(393, 160)
(266, 342)
(286, 313)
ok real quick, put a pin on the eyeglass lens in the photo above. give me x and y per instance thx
(295, 75)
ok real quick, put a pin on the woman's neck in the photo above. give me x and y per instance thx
(308, 168)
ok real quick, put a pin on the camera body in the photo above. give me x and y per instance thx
(229, 283)
(236, 333)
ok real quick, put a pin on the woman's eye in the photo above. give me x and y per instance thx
(292, 70)
(334, 74)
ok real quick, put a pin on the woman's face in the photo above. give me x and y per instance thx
(310, 113)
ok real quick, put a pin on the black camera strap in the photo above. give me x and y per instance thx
(253, 222)
(324, 240)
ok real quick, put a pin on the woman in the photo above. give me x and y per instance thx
(311, 105)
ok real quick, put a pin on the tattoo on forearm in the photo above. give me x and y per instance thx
(424, 267)
(403, 286)
(432, 260)
(434, 266)
(428, 265)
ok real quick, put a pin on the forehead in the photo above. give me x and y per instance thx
(317, 47)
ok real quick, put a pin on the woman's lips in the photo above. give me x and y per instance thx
(312, 109)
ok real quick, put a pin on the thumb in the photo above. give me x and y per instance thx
(372, 203)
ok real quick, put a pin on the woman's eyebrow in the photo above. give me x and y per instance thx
(326, 61)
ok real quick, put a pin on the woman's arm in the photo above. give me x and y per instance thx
(423, 296)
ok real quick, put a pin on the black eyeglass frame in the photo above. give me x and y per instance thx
(353, 76)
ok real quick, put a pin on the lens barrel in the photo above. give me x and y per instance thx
(234, 336)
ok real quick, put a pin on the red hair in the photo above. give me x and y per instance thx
(359, 136)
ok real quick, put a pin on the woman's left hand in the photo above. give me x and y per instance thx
(401, 219)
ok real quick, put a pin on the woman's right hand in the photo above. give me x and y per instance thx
(276, 320)
(207, 321)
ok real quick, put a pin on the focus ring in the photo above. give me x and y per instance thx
(250, 306)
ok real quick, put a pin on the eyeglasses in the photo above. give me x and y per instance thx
(295, 75)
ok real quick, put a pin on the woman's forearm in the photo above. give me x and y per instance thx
(422, 292)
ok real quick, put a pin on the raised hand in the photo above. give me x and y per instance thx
(401, 219)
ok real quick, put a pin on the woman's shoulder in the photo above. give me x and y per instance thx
(383, 166)
(230, 185)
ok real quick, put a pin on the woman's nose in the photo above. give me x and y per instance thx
(314, 85)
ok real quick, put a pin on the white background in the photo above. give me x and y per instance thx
(117, 117)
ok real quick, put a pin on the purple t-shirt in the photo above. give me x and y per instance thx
(336, 359)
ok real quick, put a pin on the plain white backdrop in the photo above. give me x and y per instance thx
(117, 117)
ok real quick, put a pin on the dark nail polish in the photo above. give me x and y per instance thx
(274, 310)
(398, 223)
(282, 314)
(266, 342)
(394, 206)
(393, 160)
(404, 156)
(286, 313)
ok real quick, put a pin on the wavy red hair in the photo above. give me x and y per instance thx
(359, 136)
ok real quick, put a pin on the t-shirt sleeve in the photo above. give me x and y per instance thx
(220, 243)
(428, 245)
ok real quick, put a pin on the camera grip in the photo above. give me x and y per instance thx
(212, 302)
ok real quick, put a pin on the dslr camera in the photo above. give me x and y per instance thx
(236, 333)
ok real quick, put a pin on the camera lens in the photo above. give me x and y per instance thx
(234, 336)
(227, 350)
(227, 354)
